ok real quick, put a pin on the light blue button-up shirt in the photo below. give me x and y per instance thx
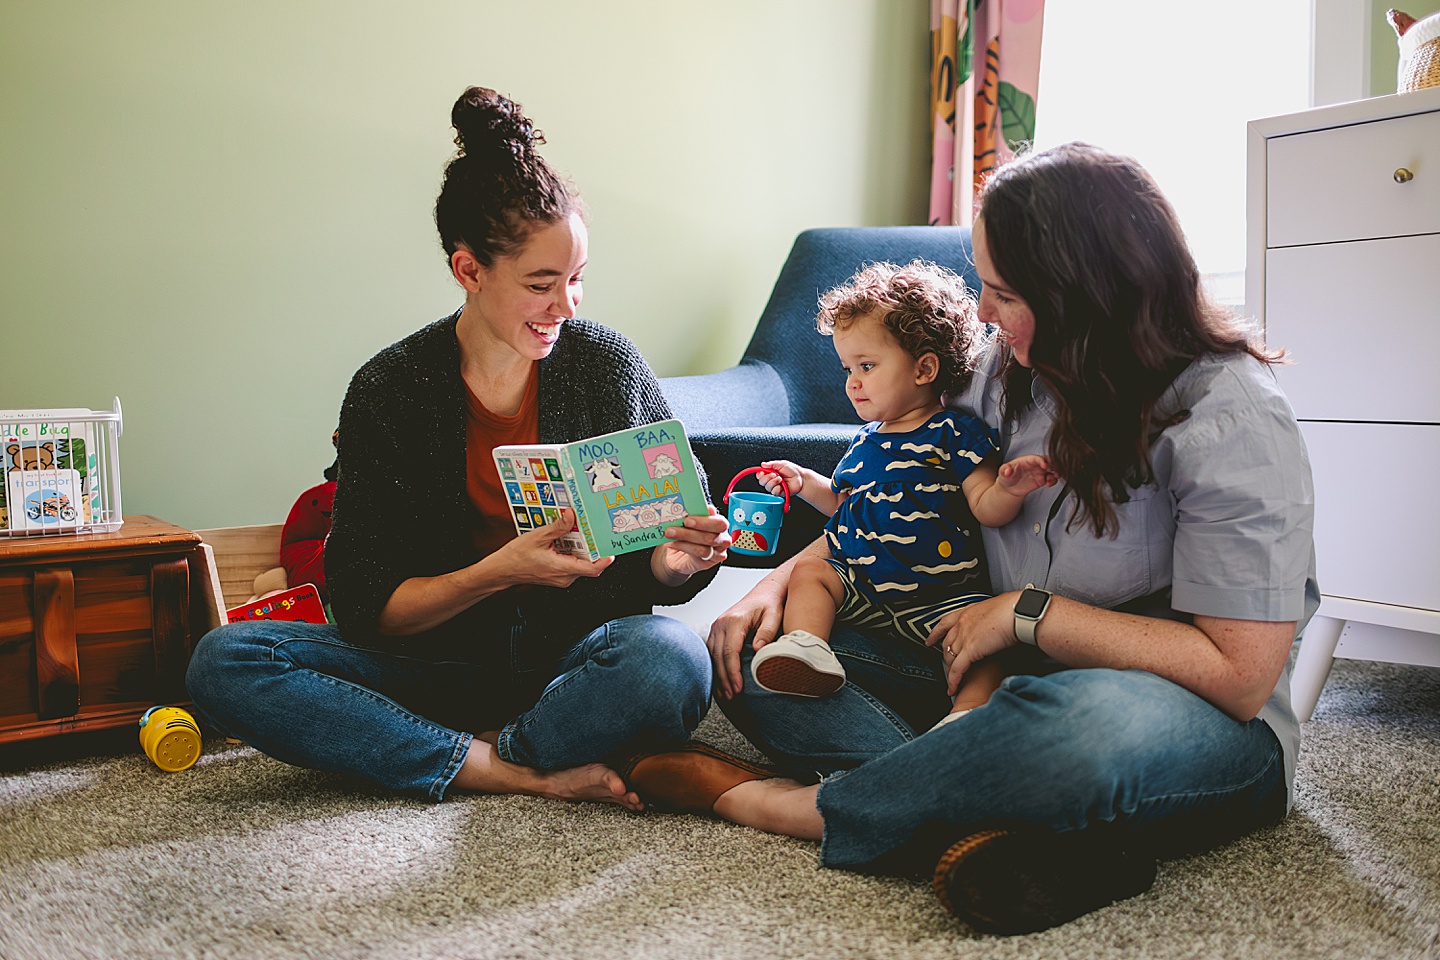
(1227, 526)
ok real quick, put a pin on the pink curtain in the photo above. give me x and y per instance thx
(979, 121)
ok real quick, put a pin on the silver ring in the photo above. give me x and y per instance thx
(709, 554)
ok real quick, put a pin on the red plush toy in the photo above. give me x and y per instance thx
(302, 540)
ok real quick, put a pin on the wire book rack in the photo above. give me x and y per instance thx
(60, 472)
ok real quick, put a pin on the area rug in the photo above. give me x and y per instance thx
(104, 856)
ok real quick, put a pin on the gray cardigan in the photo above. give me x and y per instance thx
(401, 509)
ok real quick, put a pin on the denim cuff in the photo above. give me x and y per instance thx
(826, 838)
(457, 757)
(505, 743)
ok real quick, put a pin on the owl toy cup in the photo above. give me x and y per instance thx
(755, 518)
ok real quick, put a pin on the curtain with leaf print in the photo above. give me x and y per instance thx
(984, 73)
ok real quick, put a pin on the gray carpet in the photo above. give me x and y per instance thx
(105, 856)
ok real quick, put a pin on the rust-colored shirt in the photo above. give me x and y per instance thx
(492, 524)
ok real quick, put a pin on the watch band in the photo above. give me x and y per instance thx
(1025, 622)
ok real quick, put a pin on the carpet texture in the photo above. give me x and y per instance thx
(105, 856)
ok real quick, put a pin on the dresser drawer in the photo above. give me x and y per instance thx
(1361, 321)
(1339, 184)
(1377, 532)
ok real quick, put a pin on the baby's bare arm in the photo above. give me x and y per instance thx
(995, 494)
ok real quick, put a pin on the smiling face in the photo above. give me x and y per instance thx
(882, 381)
(522, 300)
(999, 304)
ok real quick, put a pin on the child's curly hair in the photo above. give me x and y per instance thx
(926, 306)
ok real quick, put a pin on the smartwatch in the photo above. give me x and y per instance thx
(1030, 609)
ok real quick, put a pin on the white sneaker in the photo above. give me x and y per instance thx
(800, 664)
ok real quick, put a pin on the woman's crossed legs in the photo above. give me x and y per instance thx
(1065, 751)
(301, 694)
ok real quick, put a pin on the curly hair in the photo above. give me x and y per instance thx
(497, 188)
(925, 306)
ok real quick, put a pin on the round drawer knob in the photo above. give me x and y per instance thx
(1403, 176)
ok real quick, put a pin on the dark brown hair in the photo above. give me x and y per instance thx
(925, 306)
(1088, 241)
(497, 188)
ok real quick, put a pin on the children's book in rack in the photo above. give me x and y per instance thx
(60, 471)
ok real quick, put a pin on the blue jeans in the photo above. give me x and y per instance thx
(299, 693)
(1064, 749)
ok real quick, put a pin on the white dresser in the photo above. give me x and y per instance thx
(1343, 268)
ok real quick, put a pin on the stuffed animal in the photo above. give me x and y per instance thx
(302, 539)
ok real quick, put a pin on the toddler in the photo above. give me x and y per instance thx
(905, 497)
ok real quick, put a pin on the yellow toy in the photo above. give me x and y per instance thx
(170, 737)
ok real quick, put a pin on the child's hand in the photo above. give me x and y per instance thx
(1024, 475)
(778, 475)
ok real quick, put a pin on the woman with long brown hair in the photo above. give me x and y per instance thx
(1150, 600)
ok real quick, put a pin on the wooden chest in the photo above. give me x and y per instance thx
(97, 628)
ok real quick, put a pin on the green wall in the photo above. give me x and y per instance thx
(1384, 53)
(218, 211)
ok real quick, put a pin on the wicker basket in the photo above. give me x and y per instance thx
(1420, 55)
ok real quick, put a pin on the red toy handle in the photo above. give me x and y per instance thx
(749, 470)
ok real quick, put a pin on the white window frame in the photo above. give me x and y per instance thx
(1340, 40)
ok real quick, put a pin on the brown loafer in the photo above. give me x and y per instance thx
(689, 780)
(1026, 880)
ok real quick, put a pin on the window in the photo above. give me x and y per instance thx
(1173, 85)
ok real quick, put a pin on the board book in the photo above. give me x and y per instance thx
(625, 488)
(43, 500)
(297, 603)
(48, 475)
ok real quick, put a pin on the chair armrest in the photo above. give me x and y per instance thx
(748, 395)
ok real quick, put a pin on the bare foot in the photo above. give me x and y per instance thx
(592, 781)
(483, 771)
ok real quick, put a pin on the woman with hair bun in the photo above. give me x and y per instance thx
(465, 656)
(1153, 595)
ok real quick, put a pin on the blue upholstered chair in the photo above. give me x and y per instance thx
(786, 397)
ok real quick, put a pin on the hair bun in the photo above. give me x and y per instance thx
(486, 121)
(497, 187)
